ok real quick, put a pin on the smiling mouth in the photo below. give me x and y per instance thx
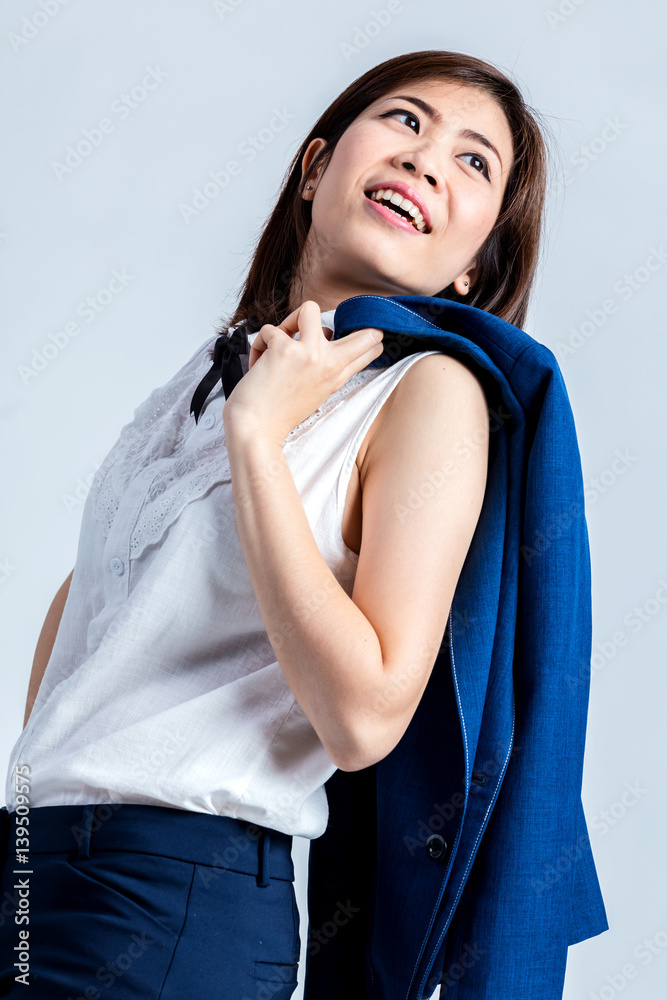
(398, 216)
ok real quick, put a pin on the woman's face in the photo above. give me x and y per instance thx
(354, 247)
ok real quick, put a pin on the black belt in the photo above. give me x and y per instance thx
(200, 838)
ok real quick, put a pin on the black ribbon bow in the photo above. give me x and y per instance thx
(226, 365)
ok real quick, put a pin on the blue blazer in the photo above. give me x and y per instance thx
(463, 857)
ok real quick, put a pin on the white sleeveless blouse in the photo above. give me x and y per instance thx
(162, 687)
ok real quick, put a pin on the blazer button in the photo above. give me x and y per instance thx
(436, 846)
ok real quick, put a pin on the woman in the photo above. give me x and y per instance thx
(245, 590)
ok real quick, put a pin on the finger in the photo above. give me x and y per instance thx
(257, 348)
(289, 325)
(353, 345)
(261, 342)
(361, 350)
(306, 320)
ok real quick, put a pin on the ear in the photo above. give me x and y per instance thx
(465, 282)
(311, 152)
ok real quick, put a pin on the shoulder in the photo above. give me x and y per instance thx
(437, 372)
(436, 392)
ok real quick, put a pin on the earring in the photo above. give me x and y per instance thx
(465, 283)
(308, 187)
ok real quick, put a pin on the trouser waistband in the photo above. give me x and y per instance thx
(200, 838)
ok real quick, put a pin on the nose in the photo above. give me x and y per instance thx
(413, 169)
(419, 165)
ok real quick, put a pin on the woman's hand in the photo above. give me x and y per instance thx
(288, 379)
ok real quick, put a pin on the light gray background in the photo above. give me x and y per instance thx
(226, 69)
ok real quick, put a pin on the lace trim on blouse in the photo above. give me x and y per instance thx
(158, 430)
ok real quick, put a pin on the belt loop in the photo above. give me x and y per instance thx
(87, 820)
(264, 847)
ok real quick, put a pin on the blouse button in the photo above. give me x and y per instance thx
(117, 566)
(208, 421)
(149, 473)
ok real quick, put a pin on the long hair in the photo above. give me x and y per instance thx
(507, 261)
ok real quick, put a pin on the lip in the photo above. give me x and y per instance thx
(408, 192)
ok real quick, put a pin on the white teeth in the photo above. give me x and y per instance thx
(394, 198)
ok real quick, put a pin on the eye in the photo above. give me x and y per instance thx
(403, 112)
(482, 161)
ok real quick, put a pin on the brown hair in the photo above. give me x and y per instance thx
(507, 261)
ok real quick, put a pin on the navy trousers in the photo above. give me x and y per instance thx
(129, 901)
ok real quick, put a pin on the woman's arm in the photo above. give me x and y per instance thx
(47, 637)
(358, 666)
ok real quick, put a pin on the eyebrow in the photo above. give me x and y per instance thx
(435, 116)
